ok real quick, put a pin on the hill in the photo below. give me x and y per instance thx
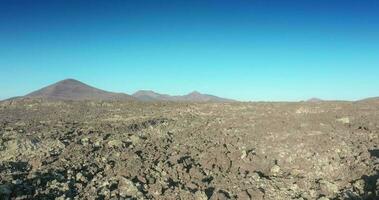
(371, 99)
(70, 89)
(314, 100)
(148, 95)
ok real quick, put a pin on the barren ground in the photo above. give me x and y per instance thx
(129, 150)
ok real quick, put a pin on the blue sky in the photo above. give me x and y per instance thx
(246, 50)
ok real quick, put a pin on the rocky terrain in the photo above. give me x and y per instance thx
(135, 150)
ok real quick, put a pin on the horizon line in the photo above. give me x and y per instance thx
(205, 93)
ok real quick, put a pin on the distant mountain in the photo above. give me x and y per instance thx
(71, 89)
(371, 99)
(147, 95)
(198, 97)
(315, 100)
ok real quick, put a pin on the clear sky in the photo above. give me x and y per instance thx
(241, 49)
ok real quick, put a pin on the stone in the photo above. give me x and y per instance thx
(359, 186)
(243, 195)
(79, 177)
(126, 187)
(5, 192)
(63, 197)
(344, 120)
(115, 143)
(17, 182)
(200, 195)
(275, 170)
(97, 144)
(84, 141)
(328, 189)
(244, 154)
(220, 195)
(255, 194)
(134, 139)
(150, 179)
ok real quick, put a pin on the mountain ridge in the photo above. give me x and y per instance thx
(71, 89)
(195, 96)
